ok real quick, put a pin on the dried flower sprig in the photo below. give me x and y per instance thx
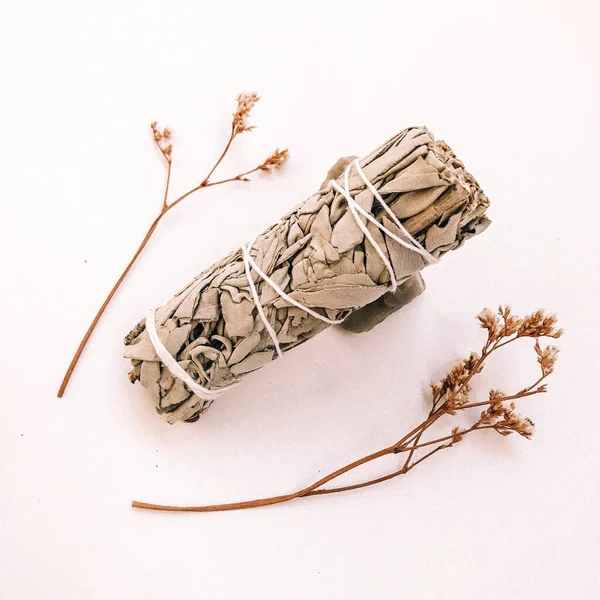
(450, 396)
(245, 103)
(162, 139)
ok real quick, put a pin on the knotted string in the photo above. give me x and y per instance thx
(249, 263)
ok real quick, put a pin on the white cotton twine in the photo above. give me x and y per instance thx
(210, 394)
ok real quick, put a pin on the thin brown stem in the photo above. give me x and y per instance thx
(499, 345)
(220, 159)
(165, 205)
(272, 500)
(240, 177)
(418, 437)
(312, 490)
(426, 456)
(207, 185)
(405, 469)
(357, 486)
(521, 394)
(447, 437)
(216, 507)
(105, 304)
(413, 448)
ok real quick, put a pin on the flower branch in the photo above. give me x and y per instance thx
(162, 139)
(449, 397)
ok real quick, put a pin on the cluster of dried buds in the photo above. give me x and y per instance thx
(453, 392)
(162, 139)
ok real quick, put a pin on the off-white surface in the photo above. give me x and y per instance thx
(512, 86)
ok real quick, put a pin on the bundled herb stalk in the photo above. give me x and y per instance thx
(319, 255)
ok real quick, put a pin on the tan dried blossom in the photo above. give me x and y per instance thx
(457, 435)
(454, 388)
(511, 322)
(546, 357)
(457, 399)
(457, 374)
(495, 410)
(245, 103)
(539, 324)
(277, 159)
(160, 135)
(488, 319)
(513, 421)
(487, 418)
(496, 396)
(436, 390)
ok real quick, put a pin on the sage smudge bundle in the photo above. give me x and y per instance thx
(351, 252)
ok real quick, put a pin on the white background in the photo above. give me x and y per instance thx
(512, 86)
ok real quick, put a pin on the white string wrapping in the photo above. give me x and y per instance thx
(249, 262)
(414, 246)
(210, 394)
(355, 208)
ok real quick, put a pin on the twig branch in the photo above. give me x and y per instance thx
(449, 397)
(245, 103)
(219, 160)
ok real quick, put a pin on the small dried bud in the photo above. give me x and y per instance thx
(511, 322)
(436, 390)
(486, 418)
(494, 411)
(546, 357)
(159, 138)
(457, 435)
(458, 374)
(156, 134)
(278, 158)
(457, 399)
(496, 396)
(513, 421)
(504, 310)
(472, 361)
(490, 321)
(245, 103)
(539, 324)
(525, 427)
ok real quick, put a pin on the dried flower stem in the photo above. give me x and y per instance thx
(245, 102)
(448, 397)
